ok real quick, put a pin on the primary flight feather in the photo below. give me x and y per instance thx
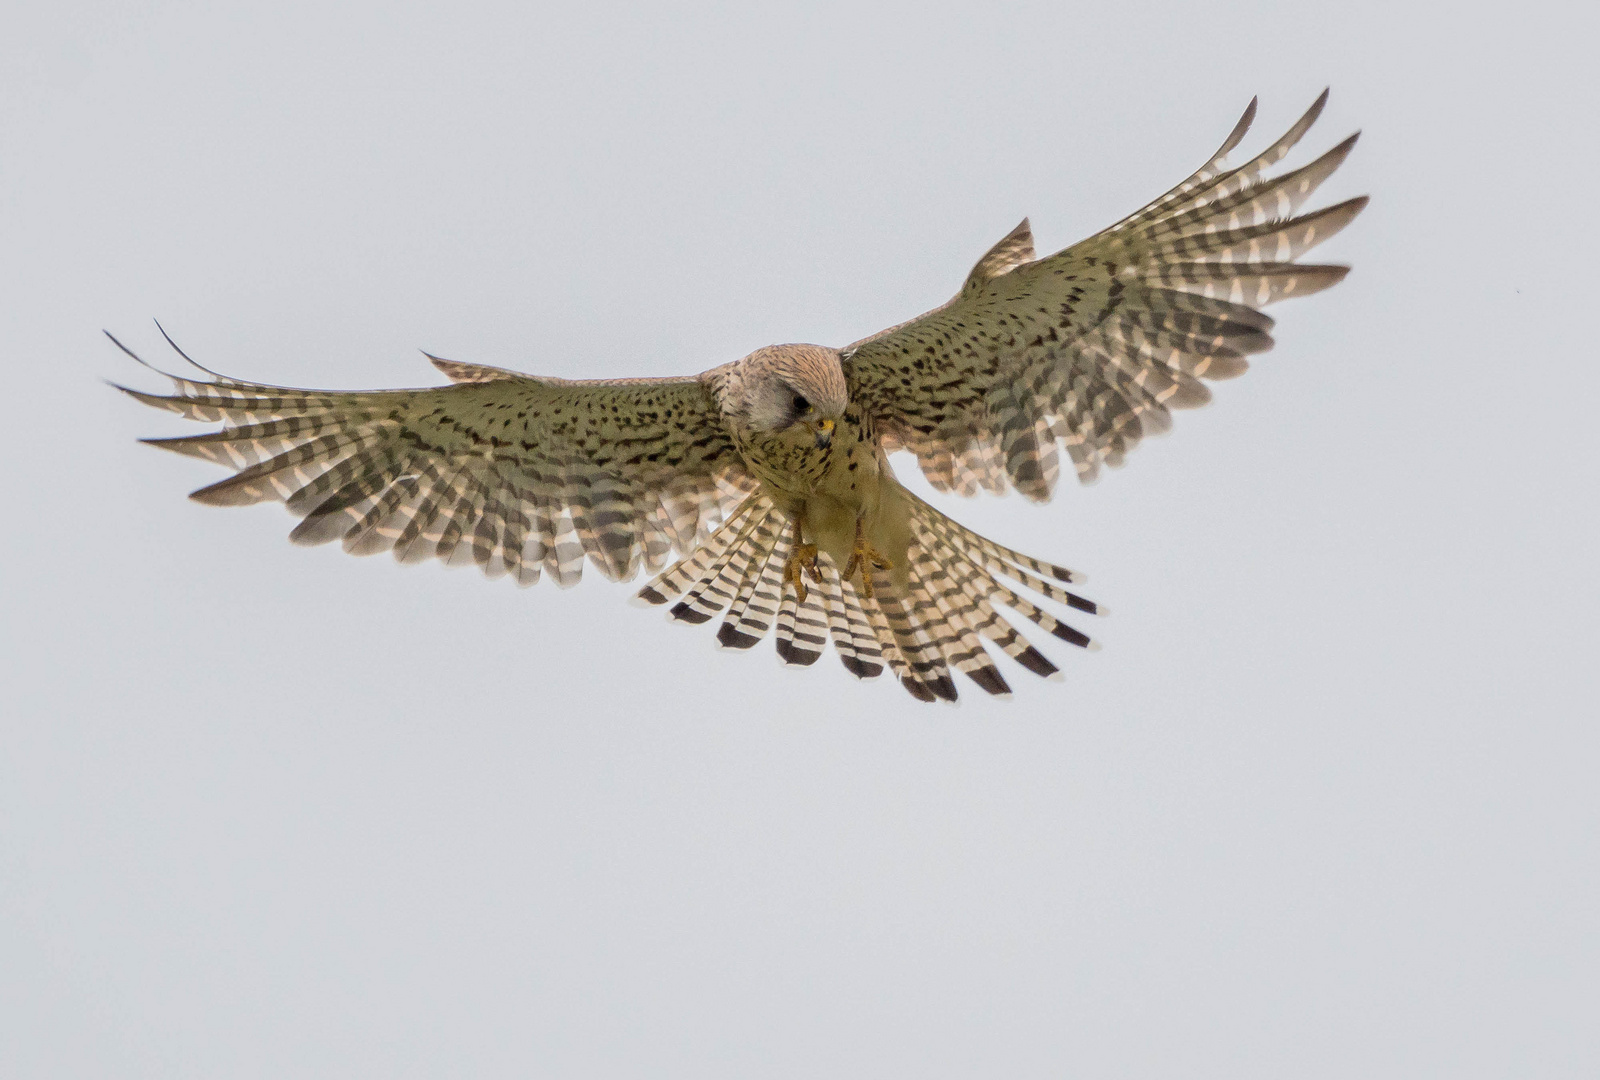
(769, 477)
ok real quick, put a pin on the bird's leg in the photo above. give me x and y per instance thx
(802, 556)
(866, 558)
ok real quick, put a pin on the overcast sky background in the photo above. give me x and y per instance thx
(1324, 806)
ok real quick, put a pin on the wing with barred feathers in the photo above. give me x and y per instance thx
(513, 472)
(1090, 348)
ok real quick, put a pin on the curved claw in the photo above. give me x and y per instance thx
(803, 557)
(865, 558)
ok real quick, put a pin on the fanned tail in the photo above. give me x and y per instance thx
(957, 582)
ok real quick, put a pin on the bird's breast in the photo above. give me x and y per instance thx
(834, 487)
(793, 467)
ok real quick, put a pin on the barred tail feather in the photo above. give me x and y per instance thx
(753, 611)
(868, 659)
(802, 631)
(708, 555)
(937, 623)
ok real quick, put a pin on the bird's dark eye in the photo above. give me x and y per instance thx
(801, 404)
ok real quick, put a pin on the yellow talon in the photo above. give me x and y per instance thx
(865, 558)
(803, 557)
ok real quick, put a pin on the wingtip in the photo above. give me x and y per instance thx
(141, 396)
(127, 351)
(147, 364)
(178, 349)
(1346, 145)
(163, 443)
(1242, 128)
(1316, 108)
(1352, 207)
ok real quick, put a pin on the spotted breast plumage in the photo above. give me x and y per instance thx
(762, 490)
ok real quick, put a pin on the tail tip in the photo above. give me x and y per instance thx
(861, 669)
(990, 679)
(682, 612)
(731, 637)
(791, 655)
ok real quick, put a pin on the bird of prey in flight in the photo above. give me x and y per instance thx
(769, 478)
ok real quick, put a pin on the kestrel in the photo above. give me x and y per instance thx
(770, 477)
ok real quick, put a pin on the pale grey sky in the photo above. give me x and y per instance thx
(1324, 806)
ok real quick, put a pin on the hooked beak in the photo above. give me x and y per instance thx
(823, 430)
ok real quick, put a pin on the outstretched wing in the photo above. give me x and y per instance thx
(513, 472)
(1091, 347)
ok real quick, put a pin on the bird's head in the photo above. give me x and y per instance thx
(794, 388)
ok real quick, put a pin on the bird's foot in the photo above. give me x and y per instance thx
(865, 558)
(803, 557)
